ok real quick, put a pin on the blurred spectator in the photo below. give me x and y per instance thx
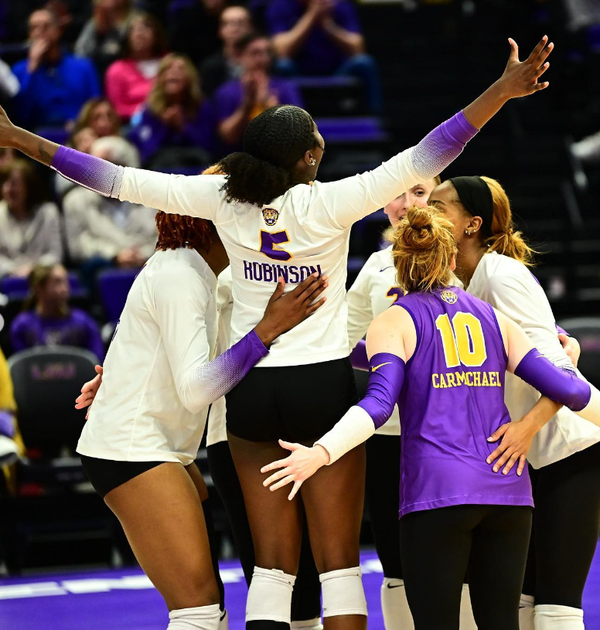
(48, 320)
(103, 36)
(322, 37)
(193, 27)
(224, 65)
(587, 149)
(97, 119)
(53, 84)
(30, 231)
(239, 101)
(11, 444)
(7, 155)
(176, 126)
(129, 81)
(9, 84)
(103, 232)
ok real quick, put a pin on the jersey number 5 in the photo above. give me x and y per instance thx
(269, 242)
(462, 339)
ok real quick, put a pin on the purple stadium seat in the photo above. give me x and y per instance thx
(114, 285)
(18, 289)
(354, 129)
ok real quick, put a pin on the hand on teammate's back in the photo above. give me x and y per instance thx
(284, 312)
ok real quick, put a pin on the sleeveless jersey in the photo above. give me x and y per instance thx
(451, 401)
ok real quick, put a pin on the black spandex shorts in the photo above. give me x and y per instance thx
(107, 474)
(296, 403)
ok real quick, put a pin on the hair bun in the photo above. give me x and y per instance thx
(420, 231)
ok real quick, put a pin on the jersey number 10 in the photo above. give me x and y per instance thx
(462, 339)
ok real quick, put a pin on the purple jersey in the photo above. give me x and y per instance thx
(451, 401)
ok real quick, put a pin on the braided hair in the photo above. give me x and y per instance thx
(274, 142)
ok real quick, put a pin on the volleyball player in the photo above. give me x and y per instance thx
(306, 382)
(493, 261)
(306, 598)
(441, 355)
(144, 429)
(374, 290)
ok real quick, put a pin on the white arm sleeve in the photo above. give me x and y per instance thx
(196, 196)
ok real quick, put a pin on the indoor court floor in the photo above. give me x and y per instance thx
(125, 599)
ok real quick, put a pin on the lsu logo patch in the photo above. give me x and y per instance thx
(270, 216)
(449, 296)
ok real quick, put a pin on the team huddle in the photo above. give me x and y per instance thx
(460, 339)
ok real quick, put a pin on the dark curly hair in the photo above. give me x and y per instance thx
(273, 143)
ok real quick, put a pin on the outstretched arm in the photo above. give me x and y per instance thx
(350, 199)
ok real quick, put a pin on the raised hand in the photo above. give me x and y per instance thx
(520, 78)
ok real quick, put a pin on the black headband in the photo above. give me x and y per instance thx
(476, 196)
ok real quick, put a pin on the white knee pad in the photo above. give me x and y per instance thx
(270, 596)
(526, 604)
(201, 618)
(553, 617)
(394, 605)
(343, 593)
(309, 624)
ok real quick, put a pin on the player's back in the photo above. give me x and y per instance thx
(452, 400)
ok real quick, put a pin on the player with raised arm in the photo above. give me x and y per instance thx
(272, 223)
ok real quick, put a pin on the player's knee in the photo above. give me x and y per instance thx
(285, 560)
(270, 596)
(343, 592)
(196, 590)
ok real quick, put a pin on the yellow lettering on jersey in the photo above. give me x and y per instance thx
(450, 379)
(461, 378)
(493, 382)
(484, 380)
(477, 379)
(443, 382)
(469, 376)
(435, 380)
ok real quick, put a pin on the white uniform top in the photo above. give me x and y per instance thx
(510, 287)
(217, 426)
(149, 406)
(305, 230)
(374, 290)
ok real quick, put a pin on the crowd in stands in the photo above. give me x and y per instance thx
(163, 85)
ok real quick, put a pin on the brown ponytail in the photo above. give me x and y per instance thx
(504, 239)
(423, 247)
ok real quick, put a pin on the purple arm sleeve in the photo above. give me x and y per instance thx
(90, 172)
(358, 356)
(7, 424)
(561, 331)
(560, 385)
(442, 145)
(214, 379)
(385, 383)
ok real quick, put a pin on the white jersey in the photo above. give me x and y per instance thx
(148, 407)
(217, 425)
(510, 287)
(306, 230)
(374, 290)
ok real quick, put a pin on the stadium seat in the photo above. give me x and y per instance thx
(587, 331)
(18, 288)
(357, 129)
(114, 285)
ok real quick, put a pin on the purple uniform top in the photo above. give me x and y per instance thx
(78, 329)
(451, 401)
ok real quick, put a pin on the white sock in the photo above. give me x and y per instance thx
(467, 621)
(526, 605)
(224, 621)
(200, 618)
(553, 617)
(309, 624)
(396, 613)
